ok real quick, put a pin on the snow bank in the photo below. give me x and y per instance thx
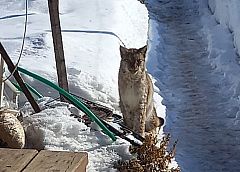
(221, 26)
(54, 129)
(154, 53)
(92, 32)
(227, 14)
(222, 34)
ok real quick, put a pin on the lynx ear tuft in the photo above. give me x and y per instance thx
(143, 50)
(123, 50)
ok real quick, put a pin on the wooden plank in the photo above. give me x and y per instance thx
(58, 161)
(15, 159)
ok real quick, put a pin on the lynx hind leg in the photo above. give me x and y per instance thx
(154, 122)
(158, 121)
(153, 132)
(156, 129)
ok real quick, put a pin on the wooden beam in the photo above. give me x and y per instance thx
(53, 6)
(18, 78)
(1, 79)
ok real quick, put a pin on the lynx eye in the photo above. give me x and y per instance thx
(139, 61)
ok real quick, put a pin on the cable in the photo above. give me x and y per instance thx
(142, 1)
(23, 41)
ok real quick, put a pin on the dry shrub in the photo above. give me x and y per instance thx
(150, 158)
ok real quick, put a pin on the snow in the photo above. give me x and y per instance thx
(54, 129)
(223, 36)
(92, 33)
(222, 33)
(196, 68)
(227, 15)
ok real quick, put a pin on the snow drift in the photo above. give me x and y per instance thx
(227, 14)
(92, 33)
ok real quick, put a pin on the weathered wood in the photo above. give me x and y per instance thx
(18, 78)
(1, 79)
(53, 6)
(59, 161)
(15, 159)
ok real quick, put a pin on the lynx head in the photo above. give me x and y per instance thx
(133, 60)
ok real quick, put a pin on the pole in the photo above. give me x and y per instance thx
(1, 79)
(53, 6)
(18, 78)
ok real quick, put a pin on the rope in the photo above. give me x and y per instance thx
(23, 41)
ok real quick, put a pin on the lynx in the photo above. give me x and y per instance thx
(136, 92)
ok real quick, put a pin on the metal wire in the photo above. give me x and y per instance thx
(23, 41)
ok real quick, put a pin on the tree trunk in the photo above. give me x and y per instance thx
(53, 6)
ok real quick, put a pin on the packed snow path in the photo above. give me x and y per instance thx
(198, 103)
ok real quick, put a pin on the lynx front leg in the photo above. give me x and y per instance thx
(139, 120)
(127, 116)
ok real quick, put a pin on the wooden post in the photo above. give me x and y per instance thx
(53, 6)
(18, 78)
(1, 79)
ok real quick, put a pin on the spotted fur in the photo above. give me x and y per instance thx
(136, 92)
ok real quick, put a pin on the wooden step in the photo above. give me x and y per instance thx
(28, 160)
(15, 159)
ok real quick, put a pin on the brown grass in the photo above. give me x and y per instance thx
(150, 157)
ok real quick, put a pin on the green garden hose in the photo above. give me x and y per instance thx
(71, 98)
(33, 90)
